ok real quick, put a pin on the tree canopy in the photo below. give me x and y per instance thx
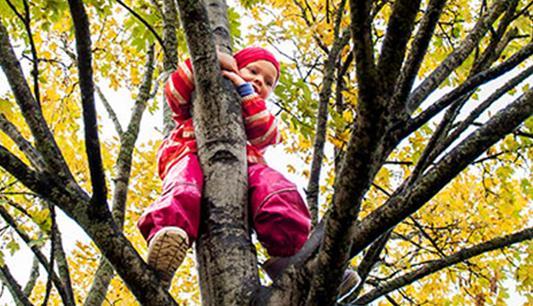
(409, 120)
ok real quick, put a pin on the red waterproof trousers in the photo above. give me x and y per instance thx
(278, 213)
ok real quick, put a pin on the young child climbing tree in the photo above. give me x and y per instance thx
(279, 215)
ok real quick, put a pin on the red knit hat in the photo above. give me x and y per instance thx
(252, 54)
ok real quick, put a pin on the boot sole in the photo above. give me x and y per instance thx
(167, 251)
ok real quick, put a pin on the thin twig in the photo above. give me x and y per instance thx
(110, 111)
(143, 21)
(52, 257)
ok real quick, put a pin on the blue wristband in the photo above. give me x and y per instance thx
(245, 89)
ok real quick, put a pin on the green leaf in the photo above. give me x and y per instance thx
(13, 246)
(38, 242)
(42, 218)
(234, 19)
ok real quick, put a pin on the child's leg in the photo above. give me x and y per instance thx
(170, 224)
(282, 221)
(179, 203)
(279, 214)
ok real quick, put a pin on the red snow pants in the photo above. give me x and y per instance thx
(278, 213)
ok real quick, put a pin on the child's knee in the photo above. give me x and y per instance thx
(179, 207)
(282, 223)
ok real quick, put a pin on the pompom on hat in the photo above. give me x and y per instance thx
(252, 54)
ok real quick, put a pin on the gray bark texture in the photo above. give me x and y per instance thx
(225, 253)
(322, 115)
(170, 62)
(104, 274)
(16, 291)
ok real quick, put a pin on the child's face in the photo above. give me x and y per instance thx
(262, 75)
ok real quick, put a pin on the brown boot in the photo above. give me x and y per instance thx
(166, 252)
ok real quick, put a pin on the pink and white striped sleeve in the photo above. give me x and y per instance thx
(178, 90)
(260, 124)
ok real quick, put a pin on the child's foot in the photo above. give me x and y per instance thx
(166, 252)
(274, 266)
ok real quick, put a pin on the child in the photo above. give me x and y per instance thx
(278, 213)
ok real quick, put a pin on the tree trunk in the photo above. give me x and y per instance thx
(225, 253)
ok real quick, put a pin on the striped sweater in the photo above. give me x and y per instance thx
(260, 124)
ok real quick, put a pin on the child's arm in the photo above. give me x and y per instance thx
(178, 90)
(260, 125)
(180, 86)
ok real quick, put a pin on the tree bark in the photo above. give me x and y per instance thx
(226, 256)
(18, 295)
(404, 202)
(104, 274)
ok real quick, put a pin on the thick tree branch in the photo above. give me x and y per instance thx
(129, 138)
(104, 273)
(469, 85)
(437, 265)
(217, 14)
(367, 79)
(321, 124)
(28, 177)
(456, 58)
(224, 247)
(404, 201)
(170, 61)
(85, 73)
(44, 140)
(492, 51)
(24, 145)
(463, 125)
(102, 278)
(419, 48)
(399, 29)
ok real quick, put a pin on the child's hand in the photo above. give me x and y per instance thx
(235, 78)
(227, 62)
